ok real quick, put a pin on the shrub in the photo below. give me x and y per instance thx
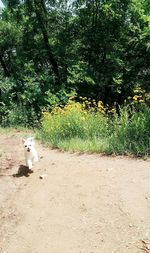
(131, 131)
(18, 115)
(82, 127)
(73, 121)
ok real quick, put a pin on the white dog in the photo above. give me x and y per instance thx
(31, 155)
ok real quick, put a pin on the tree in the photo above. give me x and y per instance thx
(98, 48)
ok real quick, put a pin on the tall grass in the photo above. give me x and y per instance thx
(72, 122)
(18, 116)
(131, 132)
(82, 127)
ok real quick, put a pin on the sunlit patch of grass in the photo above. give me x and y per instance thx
(73, 121)
(80, 145)
(91, 127)
(131, 132)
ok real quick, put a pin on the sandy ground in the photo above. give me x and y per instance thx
(84, 204)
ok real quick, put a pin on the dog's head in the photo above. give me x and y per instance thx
(28, 144)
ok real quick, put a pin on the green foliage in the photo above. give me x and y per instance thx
(22, 105)
(78, 129)
(131, 131)
(18, 115)
(99, 48)
(61, 97)
(73, 121)
(51, 50)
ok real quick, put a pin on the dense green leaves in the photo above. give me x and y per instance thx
(99, 49)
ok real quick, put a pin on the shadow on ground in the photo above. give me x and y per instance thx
(23, 171)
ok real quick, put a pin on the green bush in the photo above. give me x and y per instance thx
(131, 131)
(73, 121)
(75, 128)
(18, 115)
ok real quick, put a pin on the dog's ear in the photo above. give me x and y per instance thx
(30, 139)
(23, 140)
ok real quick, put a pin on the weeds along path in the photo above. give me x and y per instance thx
(84, 204)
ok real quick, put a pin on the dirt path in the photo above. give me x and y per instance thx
(85, 203)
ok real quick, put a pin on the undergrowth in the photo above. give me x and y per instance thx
(88, 126)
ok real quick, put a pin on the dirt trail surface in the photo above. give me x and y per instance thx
(83, 204)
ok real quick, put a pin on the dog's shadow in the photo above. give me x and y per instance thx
(23, 171)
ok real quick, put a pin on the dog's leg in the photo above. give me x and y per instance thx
(29, 164)
(35, 158)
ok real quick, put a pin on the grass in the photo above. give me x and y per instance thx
(131, 132)
(90, 127)
(80, 145)
(18, 116)
(77, 127)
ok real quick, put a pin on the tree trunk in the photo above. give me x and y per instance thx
(40, 16)
(6, 71)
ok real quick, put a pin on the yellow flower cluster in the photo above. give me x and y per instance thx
(45, 114)
(84, 107)
(138, 98)
(100, 107)
(138, 95)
